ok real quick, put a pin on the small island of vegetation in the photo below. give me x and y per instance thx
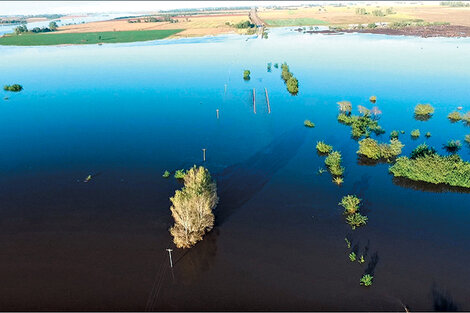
(13, 88)
(246, 75)
(308, 123)
(371, 149)
(423, 112)
(323, 147)
(427, 166)
(291, 82)
(192, 207)
(351, 204)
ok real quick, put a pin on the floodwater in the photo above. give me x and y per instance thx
(125, 113)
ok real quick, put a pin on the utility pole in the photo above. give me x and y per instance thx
(204, 154)
(169, 253)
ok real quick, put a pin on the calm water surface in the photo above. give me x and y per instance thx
(127, 112)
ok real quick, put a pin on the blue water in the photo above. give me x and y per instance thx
(128, 112)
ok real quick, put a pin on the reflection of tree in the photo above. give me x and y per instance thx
(190, 264)
(363, 160)
(422, 118)
(238, 183)
(442, 301)
(424, 186)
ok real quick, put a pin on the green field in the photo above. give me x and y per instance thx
(306, 21)
(31, 39)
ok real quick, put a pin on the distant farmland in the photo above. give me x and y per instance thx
(85, 38)
(306, 21)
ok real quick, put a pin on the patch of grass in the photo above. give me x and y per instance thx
(306, 21)
(308, 123)
(435, 169)
(45, 39)
(333, 162)
(454, 116)
(394, 134)
(352, 256)
(350, 203)
(348, 243)
(371, 149)
(415, 133)
(323, 147)
(428, 134)
(366, 280)
(361, 260)
(166, 174)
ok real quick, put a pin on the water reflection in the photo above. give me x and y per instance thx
(424, 186)
(240, 182)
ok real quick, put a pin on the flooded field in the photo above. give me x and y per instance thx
(125, 113)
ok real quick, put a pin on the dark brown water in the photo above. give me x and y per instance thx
(126, 113)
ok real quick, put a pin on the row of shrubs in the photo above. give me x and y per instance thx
(332, 161)
(291, 82)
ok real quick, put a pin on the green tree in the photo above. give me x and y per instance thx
(53, 26)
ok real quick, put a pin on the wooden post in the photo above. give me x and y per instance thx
(169, 253)
(254, 101)
(217, 113)
(267, 100)
(204, 154)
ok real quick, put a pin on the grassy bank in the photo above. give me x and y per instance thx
(85, 38)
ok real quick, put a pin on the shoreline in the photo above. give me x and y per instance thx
(443, 31)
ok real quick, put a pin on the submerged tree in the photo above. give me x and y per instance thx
(192, 207)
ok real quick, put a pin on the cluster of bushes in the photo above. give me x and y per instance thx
(424, 111)
(23, 29)
(351, 205)
(246, 75)
(371, 149)
(333, 163)
(454, 116)
(308, 123)
(360, 125)
(453, 146)
(14, 87)
(245, 24)
(192, 207)
(323, 147)
(363, 11)
(415, 133)
(291, 82)
(427, 166)
(166, 18)
(457, 116)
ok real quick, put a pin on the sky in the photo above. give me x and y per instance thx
(71, 7)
